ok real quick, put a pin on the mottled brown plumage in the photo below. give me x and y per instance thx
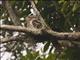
(33, 22)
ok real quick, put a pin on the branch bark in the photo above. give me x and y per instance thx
(20, 29)
(45, 33)
(9, 39)
(12, 14)
(38, 14)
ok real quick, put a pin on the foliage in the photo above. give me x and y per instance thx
(60, 15)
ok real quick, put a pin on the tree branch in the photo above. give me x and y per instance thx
(38, 14)
(12, 14)
(20, 29)
(9, 39)
(45, 33)
(65, 35)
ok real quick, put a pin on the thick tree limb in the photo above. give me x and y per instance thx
(65, 35)
(20, 29)
(45, 33)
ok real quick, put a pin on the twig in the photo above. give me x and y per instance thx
(8, 39)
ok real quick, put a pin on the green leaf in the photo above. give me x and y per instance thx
(51, 57)
(61, 1)
(75, 7)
